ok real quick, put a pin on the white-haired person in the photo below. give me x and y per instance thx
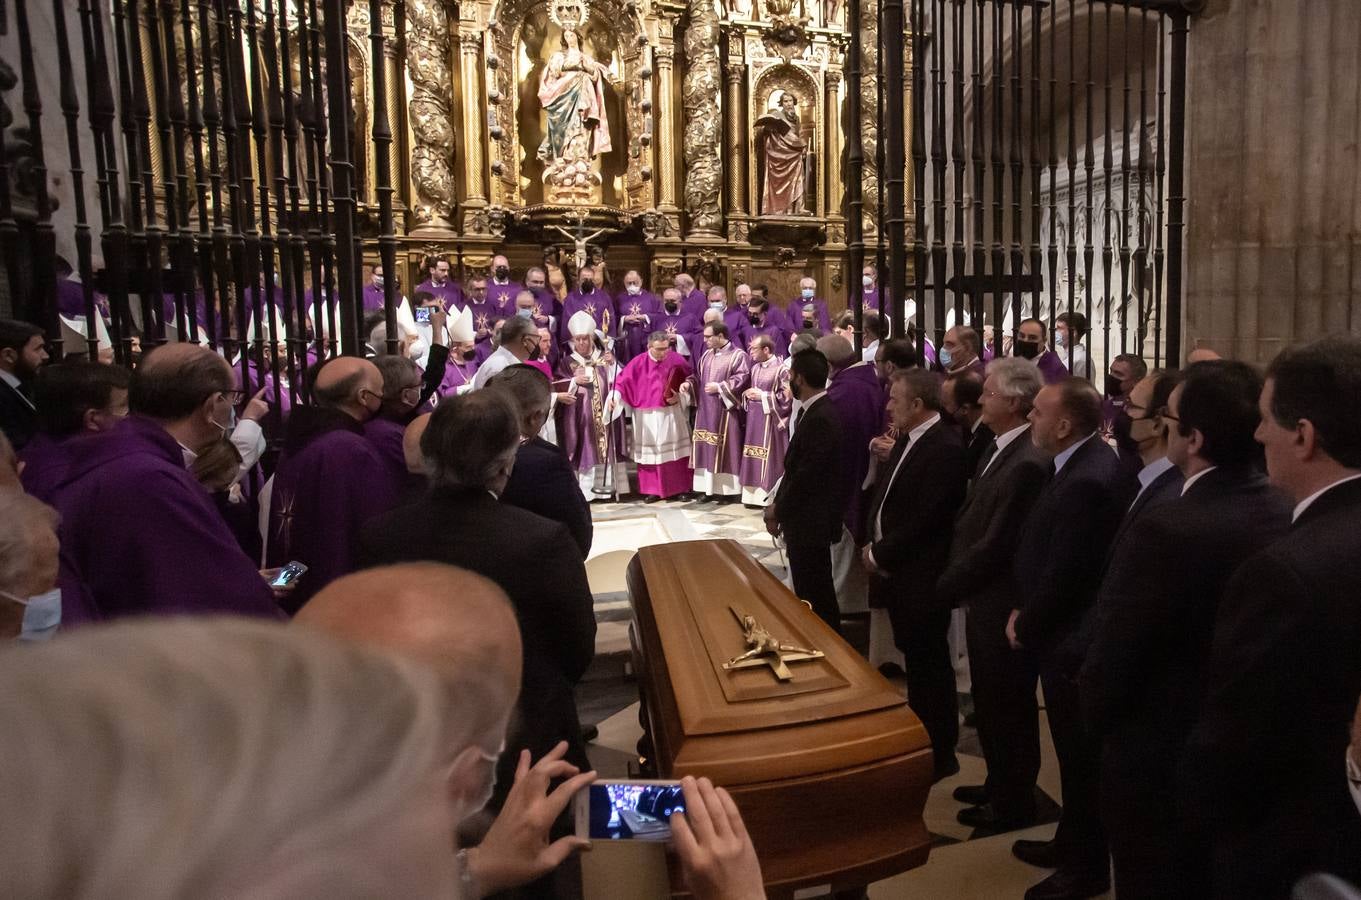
(30, 600)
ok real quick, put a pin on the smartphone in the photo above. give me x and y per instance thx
(288, 574)
(422, 314)
(628, 810)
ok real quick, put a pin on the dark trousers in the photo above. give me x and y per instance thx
(1155, 854)
(1008, 717)
(810, 568)
(1079, 832)
(923, 637)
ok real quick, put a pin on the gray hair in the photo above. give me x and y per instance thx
(837, 349)
(801, 342)
(531, 392)
(224, 757)
(516, 327)
(1018, 378)
(656, 336)
(22, 519)
(470, 438)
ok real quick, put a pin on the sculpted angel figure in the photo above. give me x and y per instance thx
(572, 91)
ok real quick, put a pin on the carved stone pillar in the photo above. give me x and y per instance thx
(430, 117)
(702, 125)
(836, 220)
(474, 140)
(734, 76)
(664, 58)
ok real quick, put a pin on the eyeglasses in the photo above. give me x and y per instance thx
(233, 397)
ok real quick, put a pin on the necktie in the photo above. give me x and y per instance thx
(798, 418)
(986, 458)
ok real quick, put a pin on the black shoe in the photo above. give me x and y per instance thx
(987, 818)
(891, 670)
(972, 794)
(945, 769)
(1071, 884)
(651, 498)
(1045, 854)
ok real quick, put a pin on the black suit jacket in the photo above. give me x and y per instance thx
(810, 502)
(975, 442)
(988, 526)
(1265, 761)
(914, 513)
(1142, 680)
(543, 482)
(1164, 489)
(536, 562)
(1062, 549)
(18, 419)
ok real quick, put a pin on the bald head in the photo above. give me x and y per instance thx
(186, 388)
(350, 385)
(452, 620)
(411, 444)
(1201, 354)
(837, 349)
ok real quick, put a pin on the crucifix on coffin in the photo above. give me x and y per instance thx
(764, 649)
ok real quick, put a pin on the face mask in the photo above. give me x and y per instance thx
(634, 289)
(670, 306)
(469, 355)
(525, 313)
(378, 281)
(534, 353)
(587, 285)
(1027, 349)
(42, 614)
(1113, 385)
(808, 323)
(718, 307)
(754, 319)
(502, 273)
(1060, 340)
(945, 356)
(867, 280)
(807, 293)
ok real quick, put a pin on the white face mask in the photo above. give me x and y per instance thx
(867, 280)
(42, 614)
(635, 289)
(1060, 339)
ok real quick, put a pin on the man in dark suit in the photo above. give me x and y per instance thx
(810, 500)
(962, 398)
(469, 448)
(1059, 561)
(1160, 480)
(1142, 678)
(21, 353)
(542, 481)
(1265, 763)
(918, 491)
(979, 572)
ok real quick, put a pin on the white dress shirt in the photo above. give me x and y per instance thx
(1151, 473)
(912, 437)
(1309, 501)
(1196, 477)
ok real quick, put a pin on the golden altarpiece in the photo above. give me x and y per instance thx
(660, 135)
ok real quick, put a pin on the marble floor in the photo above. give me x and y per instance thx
(962, 865)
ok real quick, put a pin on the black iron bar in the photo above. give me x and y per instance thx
(70, 108)
(259, 131)
(979, 155)
(1176, 174)
(1089, 164)
(182, 261)
(1053, 178)
(1017, 160)
(1122, 244)
(1037, 161)
(855, 173)
(40, 304)
(938, 170)
(999, 174)
(168, 146)
(284, 298)
(896, 157)
(918, 169)
(297, 317)
(382, 150)
(342, 179)
(1107, 167)
(1159, 253)
(1072, 177)
(234, 141)
(202, 237)
(151, 287)
(1142, 217)
(958, 158)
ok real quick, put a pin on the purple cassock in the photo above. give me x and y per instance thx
(772, 331)
(449, 292)
(501, 297)
(717, 439)
(329, 482)
(793, 313)
(458, 376)
(735, 317)
(682, 325)
(140, 536)
(71, 300)
(386, 436)
(858, 396)
(373, 298)
(767, 430)
(661, 430)
(1051, 367)
(597, 303)
(548, 301)
(484, 320)
(45, 461)
(871, 300)
(978, 366)
(695, 303)
(586, 433)
(633, 335)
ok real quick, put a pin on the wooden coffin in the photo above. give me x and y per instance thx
(829, 768)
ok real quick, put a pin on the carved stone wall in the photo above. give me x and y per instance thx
(702, 128)
(432, 131)
(869, 112)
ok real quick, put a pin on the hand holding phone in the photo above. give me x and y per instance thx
(628, 810)
(286, 576)
(422, 314)
(715, 851)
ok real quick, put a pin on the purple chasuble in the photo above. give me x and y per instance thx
(718, 434)
(767, 427)
(695, 303)
(735, 317)
(450, 293)
(597, 303)
(46, 460)
(501, 297)
(870, 299)
(582, 432)
(140, 536)
(681, 325)
(793, 313)
(633, 335)
(457, 374)
(71, 300)
(329, 482)
(772, 331)
(859, 400)
(1051, 367)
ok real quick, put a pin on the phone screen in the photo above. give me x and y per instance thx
(422, 314)
(630, 810)
(288, 574)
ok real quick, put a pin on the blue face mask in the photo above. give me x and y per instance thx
(945, 357)
(807, 293)
(42, 614)
(525, 313)
(718, 307)
(1059, 339)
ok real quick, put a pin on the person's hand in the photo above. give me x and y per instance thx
(437, 319)
(584, 378)
(257, 407)
(567, 399)
(711, 387)
(1011, 630)
(280, 591)
(772, 523)
(671, 398)
(716, 854)
(608, 358)
(686, 388)
(541, 319)
(516, 849)
(752, 393)
(881, 448)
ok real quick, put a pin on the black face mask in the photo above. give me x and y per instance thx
(1027, 349)
(502, 273)
(671, 307)
(1113, 386)
(587, 285)
(755, 320)
(808, 323)
(535, 354)
(469, 355)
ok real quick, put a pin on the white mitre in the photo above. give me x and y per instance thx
(461, 327)
(581, 324)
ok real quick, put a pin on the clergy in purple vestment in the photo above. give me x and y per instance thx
(402, 384)
(139, 535)
(639, 311)
(439, 284)
(759, 324)
(461, 368)
(592, 435)
(959, 352)
(858, 396)
(1030, 344)
(529, 305)
(692, 299)
(797, 311)
(724, 372)
(71, 300)
(649, 385)
(75, 401)
(501, 291)
(871, 300)
(734, 314)
(590, 298)
(536, 280)
(681, 328)
(330, 479)
(768, 403)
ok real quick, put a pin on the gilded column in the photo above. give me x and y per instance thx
(474, 157)
(836, 230)
(430, 117)
(738, 227)
(393, 91)
(664, 57)
(869, 112)
(701, 126)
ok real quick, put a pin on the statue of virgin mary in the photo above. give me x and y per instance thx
(572, 93)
